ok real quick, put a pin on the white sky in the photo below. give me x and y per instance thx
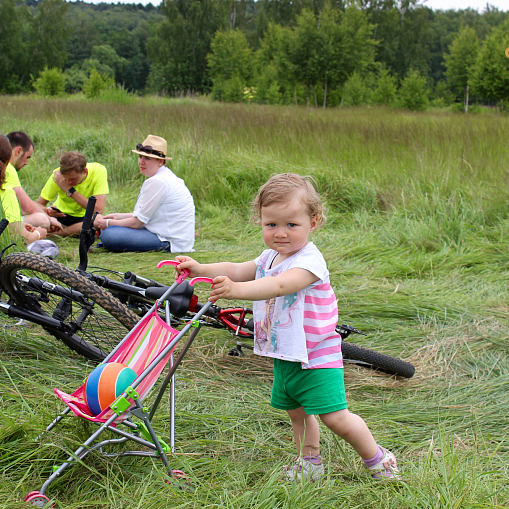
(478, 5)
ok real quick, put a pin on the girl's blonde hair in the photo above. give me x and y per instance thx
(280, 188)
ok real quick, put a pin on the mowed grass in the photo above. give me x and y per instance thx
(417, 247)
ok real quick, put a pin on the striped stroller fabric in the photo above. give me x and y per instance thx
(147, 340)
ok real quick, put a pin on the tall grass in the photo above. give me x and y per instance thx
(416, 244)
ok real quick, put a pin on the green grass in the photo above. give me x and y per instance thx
(417, 246)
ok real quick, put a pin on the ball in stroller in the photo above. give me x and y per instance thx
(105, 384)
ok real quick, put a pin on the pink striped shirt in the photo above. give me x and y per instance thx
(300, 327)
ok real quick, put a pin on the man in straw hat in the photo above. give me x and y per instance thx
(163, 217)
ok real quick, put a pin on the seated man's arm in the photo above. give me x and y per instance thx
(27, 205)
(99, 204)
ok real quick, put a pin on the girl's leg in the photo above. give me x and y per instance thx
(352, 429)
(306, 432)
(307, 439)
(120, 239)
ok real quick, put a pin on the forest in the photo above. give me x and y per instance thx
(311, 52)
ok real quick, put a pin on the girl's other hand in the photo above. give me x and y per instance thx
(222, 288)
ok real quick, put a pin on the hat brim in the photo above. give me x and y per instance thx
(151, 156)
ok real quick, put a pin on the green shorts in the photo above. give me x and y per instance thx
(319, 391)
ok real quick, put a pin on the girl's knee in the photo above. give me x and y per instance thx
(336, 419)
(297, 413)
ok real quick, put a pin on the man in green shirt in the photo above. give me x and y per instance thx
(72, 185)
(33, 212)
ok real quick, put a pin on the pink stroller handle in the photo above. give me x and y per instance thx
(183, 276)
(201, 280)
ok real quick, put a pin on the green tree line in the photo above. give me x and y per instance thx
(315, 52)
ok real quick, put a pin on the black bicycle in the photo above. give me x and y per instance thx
(91, 312)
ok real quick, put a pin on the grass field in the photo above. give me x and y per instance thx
(417, 245)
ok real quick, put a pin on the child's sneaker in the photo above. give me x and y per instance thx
(306, 467)
(386, 467)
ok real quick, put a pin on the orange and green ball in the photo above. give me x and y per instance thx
(105, 384)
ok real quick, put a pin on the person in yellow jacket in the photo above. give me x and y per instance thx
(71, 185)
(9, 201)
(22, 149)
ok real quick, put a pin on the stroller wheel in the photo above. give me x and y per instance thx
(236, 352)
(36, 499)
(179, 480)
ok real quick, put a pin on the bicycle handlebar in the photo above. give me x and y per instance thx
(3, 225)
(86, 234)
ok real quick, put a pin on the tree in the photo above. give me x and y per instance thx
(460, 59)
(180, 48)
(413, 93)
(230, 64)
(305, 51)
(490, 76)
(275, 75)
(107, 57)
(50, 83)
(48, 36)
(12, 47)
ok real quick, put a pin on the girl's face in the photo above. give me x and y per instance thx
(149, 166)
(286, 226)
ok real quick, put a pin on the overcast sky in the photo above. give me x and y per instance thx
(479, 5)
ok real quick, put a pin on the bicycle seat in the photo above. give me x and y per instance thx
(180, 298)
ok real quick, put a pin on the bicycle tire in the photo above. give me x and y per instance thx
(100, 319)
(375, 360)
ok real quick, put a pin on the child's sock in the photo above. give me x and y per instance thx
(316, 460)
(375, 459)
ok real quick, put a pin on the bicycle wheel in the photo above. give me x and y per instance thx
(98, 321)
(375, 360)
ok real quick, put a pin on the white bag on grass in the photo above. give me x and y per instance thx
(44, 247)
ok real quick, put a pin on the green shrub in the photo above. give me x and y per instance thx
(356, 91)
(117, 94)
(413, 94)
(95, 84)
(386, 89)
(50, 83)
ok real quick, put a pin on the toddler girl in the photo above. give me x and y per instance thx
(295, 314)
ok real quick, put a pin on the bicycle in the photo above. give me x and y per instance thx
(75, 307)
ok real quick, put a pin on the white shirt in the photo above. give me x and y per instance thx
(166, 208)
(299, 327)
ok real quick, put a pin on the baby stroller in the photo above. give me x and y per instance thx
(146, 349)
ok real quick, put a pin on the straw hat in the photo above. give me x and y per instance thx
(153, 147)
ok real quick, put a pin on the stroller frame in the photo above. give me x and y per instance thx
(124, 410)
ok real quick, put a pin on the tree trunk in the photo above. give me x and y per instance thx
(325, 94)
(295, 93)
(314, 93)
(466, 101)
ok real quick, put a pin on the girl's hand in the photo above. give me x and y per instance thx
(223, 288)
(34, 233)
(111, 216)
(186, 262)
(100, 222)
